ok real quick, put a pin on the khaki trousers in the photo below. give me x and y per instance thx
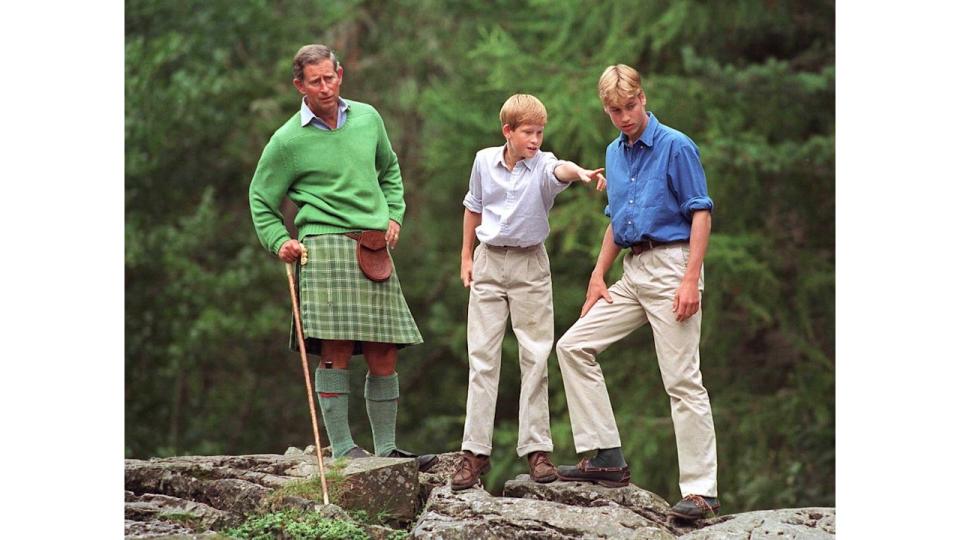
(515, 282)
(644, 294)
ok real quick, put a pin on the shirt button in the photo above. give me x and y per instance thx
(631, 201)
(632, 179)
(629, 223)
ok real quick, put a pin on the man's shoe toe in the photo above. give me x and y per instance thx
(424, 462)
(469, 470)
(542, 470)
(696, 507)
(356, 453)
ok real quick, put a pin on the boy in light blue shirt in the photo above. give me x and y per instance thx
(512, 188)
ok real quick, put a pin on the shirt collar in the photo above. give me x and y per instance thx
(646, 138)
(307, 116)
(528, 163)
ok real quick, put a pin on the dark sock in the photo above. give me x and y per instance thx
(609, 457)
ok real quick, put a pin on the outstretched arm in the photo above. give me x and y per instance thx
(568, 171)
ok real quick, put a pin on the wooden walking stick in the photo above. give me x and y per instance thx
(306, 379)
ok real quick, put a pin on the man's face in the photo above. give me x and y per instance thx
(320, 86)
(630, 115)
(525, 140)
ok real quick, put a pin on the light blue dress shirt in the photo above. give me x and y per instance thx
(307, 116)
(513, 204)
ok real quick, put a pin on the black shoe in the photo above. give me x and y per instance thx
(356, 453)
(696, 507)
(605, 476)
(424, 462)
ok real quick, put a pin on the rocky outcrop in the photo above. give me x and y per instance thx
(365, 480)
(648, 505)
(175, 511)
(583, 510)
(234, 484)
(194, 494)
(197, 496)
(438, 475)
(785, 524)
(475, 514)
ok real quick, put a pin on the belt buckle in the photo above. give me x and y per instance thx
(641, 246)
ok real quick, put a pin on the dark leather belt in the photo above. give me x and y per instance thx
(515, 248)
(647, 245)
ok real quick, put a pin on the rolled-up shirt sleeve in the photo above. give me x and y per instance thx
(688, 181)
(473, 201)
(549, 183)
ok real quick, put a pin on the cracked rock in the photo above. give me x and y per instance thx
(475, 514)
(784, 524)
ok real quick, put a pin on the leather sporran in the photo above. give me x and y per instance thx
(372, 255)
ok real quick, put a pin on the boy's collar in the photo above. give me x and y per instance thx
(646, 138)
(528, 163)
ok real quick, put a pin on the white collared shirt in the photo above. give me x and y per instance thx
(513, 204)
(307, 116)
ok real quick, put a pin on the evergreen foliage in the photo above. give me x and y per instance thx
(207, 310)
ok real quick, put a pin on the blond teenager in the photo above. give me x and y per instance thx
(511, 189)
(660, 212)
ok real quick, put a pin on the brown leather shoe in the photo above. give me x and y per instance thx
(541, 470)
(696, 507)
(605, 476)
(469, 470)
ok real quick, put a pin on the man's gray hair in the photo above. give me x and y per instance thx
(310, 55)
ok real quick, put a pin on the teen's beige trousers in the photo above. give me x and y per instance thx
(643, 295)
(516, 282)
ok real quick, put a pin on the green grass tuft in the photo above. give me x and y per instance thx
(311, 488)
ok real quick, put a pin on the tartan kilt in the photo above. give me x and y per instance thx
(338, 302)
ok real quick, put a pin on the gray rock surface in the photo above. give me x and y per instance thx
(378, 484)
(438, 475)
(783, 524)
(151, 507)
(195, 496)
(164, 530)
(192, 494)
(649, 505)
(475, 514)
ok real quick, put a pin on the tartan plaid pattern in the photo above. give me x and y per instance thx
(338, 302)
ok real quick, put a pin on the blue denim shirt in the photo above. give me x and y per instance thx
(654, 186)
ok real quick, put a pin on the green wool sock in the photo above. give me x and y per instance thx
(382, 394)
(334, 408)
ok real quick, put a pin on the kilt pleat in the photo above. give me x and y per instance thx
(338, 302)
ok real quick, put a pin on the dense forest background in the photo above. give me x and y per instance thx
(207, 310)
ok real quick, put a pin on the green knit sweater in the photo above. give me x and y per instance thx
(343, 180)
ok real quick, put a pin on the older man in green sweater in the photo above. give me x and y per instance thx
(333, 159)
